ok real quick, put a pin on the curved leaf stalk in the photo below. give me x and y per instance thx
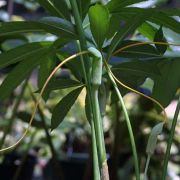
(39, 99)
(143, 43)
(143, 95)
(170, 140)
(135, 156)
(147, 165)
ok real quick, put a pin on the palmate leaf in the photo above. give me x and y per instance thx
(99, 23)
(53, 25)
(23, 52)
(21, 71)
(63, 107)
(57, 8)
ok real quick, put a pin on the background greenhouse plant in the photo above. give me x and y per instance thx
(107, 27)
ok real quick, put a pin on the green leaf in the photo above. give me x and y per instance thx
(25, 117)
(87, 109)
(21, 53)
(99, 23)
(64, 27)
(165, 87)
(134, 74)
(56, 8)
(83, 6)
(115, 5)
(165, 21)
(130, 26)
(20, 72)
(142, 51)
(159, 37)
(53, 25)
(63, 107)
(16, 36)
(45, 69)
(57, 84)
(147, 30)
(72, 65)
(156, 16)
(137, 68)
(102, 96)
(170, 11)
(152, 141)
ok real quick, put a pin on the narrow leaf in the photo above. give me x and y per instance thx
(159, 37)
(19, 73)
(147, 30)
(99, 23)
(56, 8)
(115, 5)
(63, 107)
(142, 51)
(129, 27)
(21, 53)
(25, 117)
(152, 141)
(83, 6)
(53, 25)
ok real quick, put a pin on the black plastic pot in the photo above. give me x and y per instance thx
(11, 163)
(73, 167)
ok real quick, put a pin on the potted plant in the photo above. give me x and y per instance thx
(99, 30)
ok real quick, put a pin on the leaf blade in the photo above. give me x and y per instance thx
(63, 107)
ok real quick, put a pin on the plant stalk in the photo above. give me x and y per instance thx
(170, 140)
(57, 167)
(14, 111)
(86, 65)
(24, 158)
(135, 156)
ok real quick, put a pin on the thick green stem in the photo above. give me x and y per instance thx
(170, 140)
(14, 111)
(96, 171)
(135, 156)
(86, 65)
(98, 126)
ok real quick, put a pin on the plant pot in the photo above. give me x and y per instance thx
(11, 163)
(73, 167)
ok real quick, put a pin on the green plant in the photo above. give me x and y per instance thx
(106, 38)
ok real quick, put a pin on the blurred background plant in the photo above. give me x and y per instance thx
(67, 149)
